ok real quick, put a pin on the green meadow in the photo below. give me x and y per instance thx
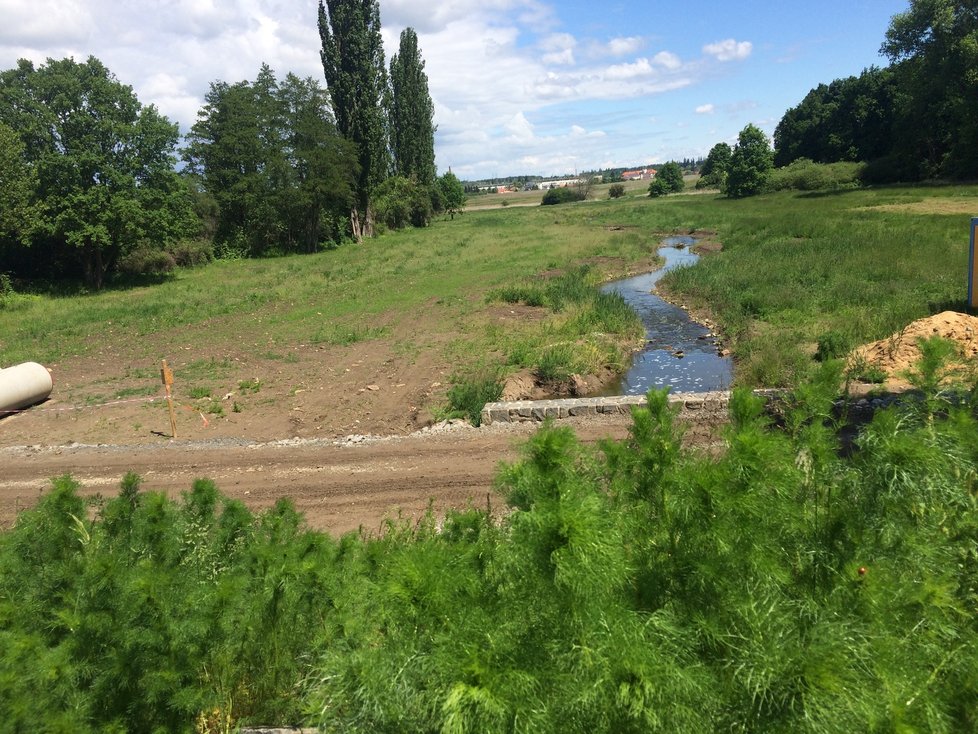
(797, 270)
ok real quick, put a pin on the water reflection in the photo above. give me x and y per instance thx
(680, 353)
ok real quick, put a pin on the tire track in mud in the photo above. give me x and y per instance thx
(337, 486)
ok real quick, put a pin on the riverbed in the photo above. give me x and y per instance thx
(679, 353)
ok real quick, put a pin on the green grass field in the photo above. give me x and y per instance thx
(795, 269)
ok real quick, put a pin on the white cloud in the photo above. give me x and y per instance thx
(59, 22)
(624, 46)
(705, 109)
(729, 50)
(497, 68)
(558, 42)
(668, 60)
(434, 16)
(520, 130)
(639, 68)
(559, 58)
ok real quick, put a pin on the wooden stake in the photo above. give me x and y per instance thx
(166, 374)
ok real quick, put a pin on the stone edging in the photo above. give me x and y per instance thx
(523, 411)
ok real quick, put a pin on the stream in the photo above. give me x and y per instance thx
(669, 333)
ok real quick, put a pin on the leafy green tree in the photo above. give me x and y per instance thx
(322, 167)
(670, 178)
(713, 172)
(750, 163)
(19, 212)
(658, 188)
(410, 113)
(935, 46)
(271, 159)
(402, 201)
(104, 162)
(453, 193)
(616, 191)
(850, 119)
(356, 77)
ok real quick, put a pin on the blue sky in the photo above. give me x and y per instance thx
(520, 86)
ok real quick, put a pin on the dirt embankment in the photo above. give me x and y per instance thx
(899, 353)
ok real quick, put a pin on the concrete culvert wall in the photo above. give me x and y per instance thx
(699, 407)
(24, 385)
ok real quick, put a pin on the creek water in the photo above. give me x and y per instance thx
(669, 333)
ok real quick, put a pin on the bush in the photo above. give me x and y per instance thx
(192, 253)
(805, 175)
(6, 290)
(146, 261)
(561, 195)
(669, 178)
(616, 191)
(834, 345)
(894, 168)
(658, 188)
(399, 202)
(468, 395)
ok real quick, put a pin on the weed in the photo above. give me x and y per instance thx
(556, 363)
(199, 393)
(249, 386)
(129, 392)
(469, 394)
(335, 335)
(834, 345)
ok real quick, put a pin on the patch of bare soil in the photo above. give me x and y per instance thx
(344, 431)
(899, 353)
(525, 385)
(339, 485)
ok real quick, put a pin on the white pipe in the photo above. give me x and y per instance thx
(24, 385)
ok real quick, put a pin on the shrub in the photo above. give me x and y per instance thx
(833, 345)
(670, 178)
(616, 191)
(805, 175)
(468, 395)
(894, 168)
(146, 261)
(192, 253)
(561, 195)
(399, 202)
(658, 188)
(6, 290)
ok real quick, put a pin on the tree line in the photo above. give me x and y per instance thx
(94, 184)
(915, 119)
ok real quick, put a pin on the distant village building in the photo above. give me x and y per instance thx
(642, 174)
(560, 183)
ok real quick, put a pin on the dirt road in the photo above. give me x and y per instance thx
(339, 485)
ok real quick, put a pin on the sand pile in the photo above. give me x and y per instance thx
(899, 353)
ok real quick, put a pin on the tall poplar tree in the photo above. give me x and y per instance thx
(353, 64)
(411, 113)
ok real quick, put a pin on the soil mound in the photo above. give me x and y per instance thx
(899, 353)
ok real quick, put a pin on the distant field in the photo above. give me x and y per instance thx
(482, 202)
